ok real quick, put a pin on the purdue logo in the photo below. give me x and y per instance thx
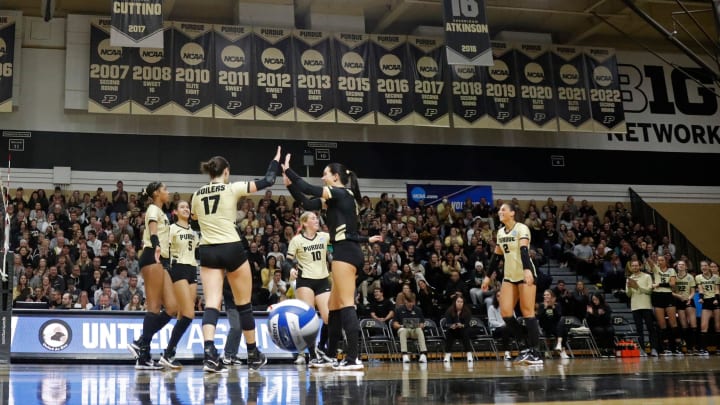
(427, 67)
(109, 53)
(569, 74)
(312, 60)
(499, 71)
(272, 59)
(534, 73)
(3, 47)
(232, 56)
(55, 335)
(192, 54)
(602, 76)
(465, 72)
(352, 63)
(152, 56)
(390, 65)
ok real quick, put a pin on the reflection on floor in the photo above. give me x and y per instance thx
(690, 380)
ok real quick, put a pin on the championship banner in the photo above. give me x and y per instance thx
(193, 66)
(7, 62)
(432, 194)
(468, 95)
(573, 105)
(352, 62)
(537, 90)
(393, 75)
(152, 78)
(274, 98)
(235, 76)
(430, 102)
(605, 96)
(501, 92)
(110, 75)
(137, 24)
(466, 33)
(313, 77)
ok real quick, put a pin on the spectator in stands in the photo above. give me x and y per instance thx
(55, 299)
(120, 280)
(119, 201)
(125, 294)
(112, 294)
(135, 303)
(67, 301)
(104, 304)
(457, 326)
(434, 272)
(666, 245)
(277, 288)
(562, 294)
(427, 298)
(405, 295)
(381, 309)
(613, 274)
(583, 258)
(497, 326)
(453, 287)
(391, 282)
(56, 281)
(409, 322)
(20, 286)
(580, 299)
(548, 314)
(639, 288)
(599, 319)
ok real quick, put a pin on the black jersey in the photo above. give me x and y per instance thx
(342, 215)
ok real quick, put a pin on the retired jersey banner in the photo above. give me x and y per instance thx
(573, 104)
(605, 96)
(393, 73)
(7, 62)
(501, 92)
(352, 62)
(193, 67)
(468, 95)
(152, 78)
(537, 90)
(137, 24)
(234, 75)
(430, 102)
(274, 98)
(466, 33)
(314, 95)
(110, 75)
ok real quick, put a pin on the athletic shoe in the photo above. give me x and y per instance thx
(507, 357)
(564, 355)
(703, 352)
(321, 355)
(168, 361)
(533, 359)
(148, 364)
(212, 362)
(447, 357)
(300, 360)
(666, 353)
(469, 356)
(256, 359)
(345, 365)
(423, 358)
(653, 353)
(522, 356)
(405, 358)
(320, 363)
(558, 347)
(231, 361)
(135, 349)
(678, 353)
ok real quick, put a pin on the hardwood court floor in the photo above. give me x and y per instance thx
(614, 381)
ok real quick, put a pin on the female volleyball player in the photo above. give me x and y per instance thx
(707, 287)
(684, 292)
(183, 274)
(214, 207)
(664, 279)
(341, 196)
(154, 260)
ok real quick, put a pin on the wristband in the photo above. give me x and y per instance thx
(155, 241)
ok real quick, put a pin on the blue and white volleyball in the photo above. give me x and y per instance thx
(293, 325)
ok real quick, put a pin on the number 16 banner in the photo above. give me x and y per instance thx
(467, 37)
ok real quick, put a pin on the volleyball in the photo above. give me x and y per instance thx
(293, 325)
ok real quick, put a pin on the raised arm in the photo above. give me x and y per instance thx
(302, 186)
(272, 171)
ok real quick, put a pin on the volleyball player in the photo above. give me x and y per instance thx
(221, 252)
(513, 241)
(307, 256)
(341, 196)
(707, 287)
(684, 292)
(154, 260)
(664, 279)
(183, 273)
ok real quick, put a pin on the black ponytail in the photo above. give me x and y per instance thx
(215, 166)
(348, 178)
(354, 186)
(149, 191)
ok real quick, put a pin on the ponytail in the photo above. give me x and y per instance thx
(354, 186)
(215, 166)
(149, 191)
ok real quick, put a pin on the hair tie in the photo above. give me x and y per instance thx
(347, 172)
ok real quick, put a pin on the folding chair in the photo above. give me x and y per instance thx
(579, 332)
(624, 330)
(376, 335)
(480, 335)
(434, 337)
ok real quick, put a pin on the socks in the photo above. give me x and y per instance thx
(151, 324)
(178, 331)
(334, 332)
(351, 326)
(533, 331)
(322, 344)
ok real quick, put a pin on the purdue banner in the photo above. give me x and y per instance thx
(192, 64)
(468, 95)
(235, 75)
(430, 102)
(313, 77)
(605, 96)
(110, 75)
(537, 92)
(274, 98)
(152, 78)
(137, 23)
(7, 62)
(393, 80)
(352, 73)
(501, 95)
(466, 33)
(573, 105)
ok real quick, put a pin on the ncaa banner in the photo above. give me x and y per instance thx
(466, 33)
(313, 76)
(234, 75)
(605, 96)
(352, 61)
(537, 91)
(573, 105)
(274, 98)
(432, 194)
(501, 95)
(468, 96)
(152, 78)
(137, 24)
(110, 75)
(7, 61)
(193, 63)
(430, 102)
(393, 80)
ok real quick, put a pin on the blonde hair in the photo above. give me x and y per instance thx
(304, 218)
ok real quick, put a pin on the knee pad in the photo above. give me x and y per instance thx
(210, 316)
(247, 321)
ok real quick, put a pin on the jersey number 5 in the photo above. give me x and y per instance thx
(206, 202)
(506, 248)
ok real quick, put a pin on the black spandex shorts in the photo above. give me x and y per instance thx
(181, 271)
(228, 256)
(682, 305)
(318, 285)
(147, 258)
(349, 252)
(709, 305)
(662, 300)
